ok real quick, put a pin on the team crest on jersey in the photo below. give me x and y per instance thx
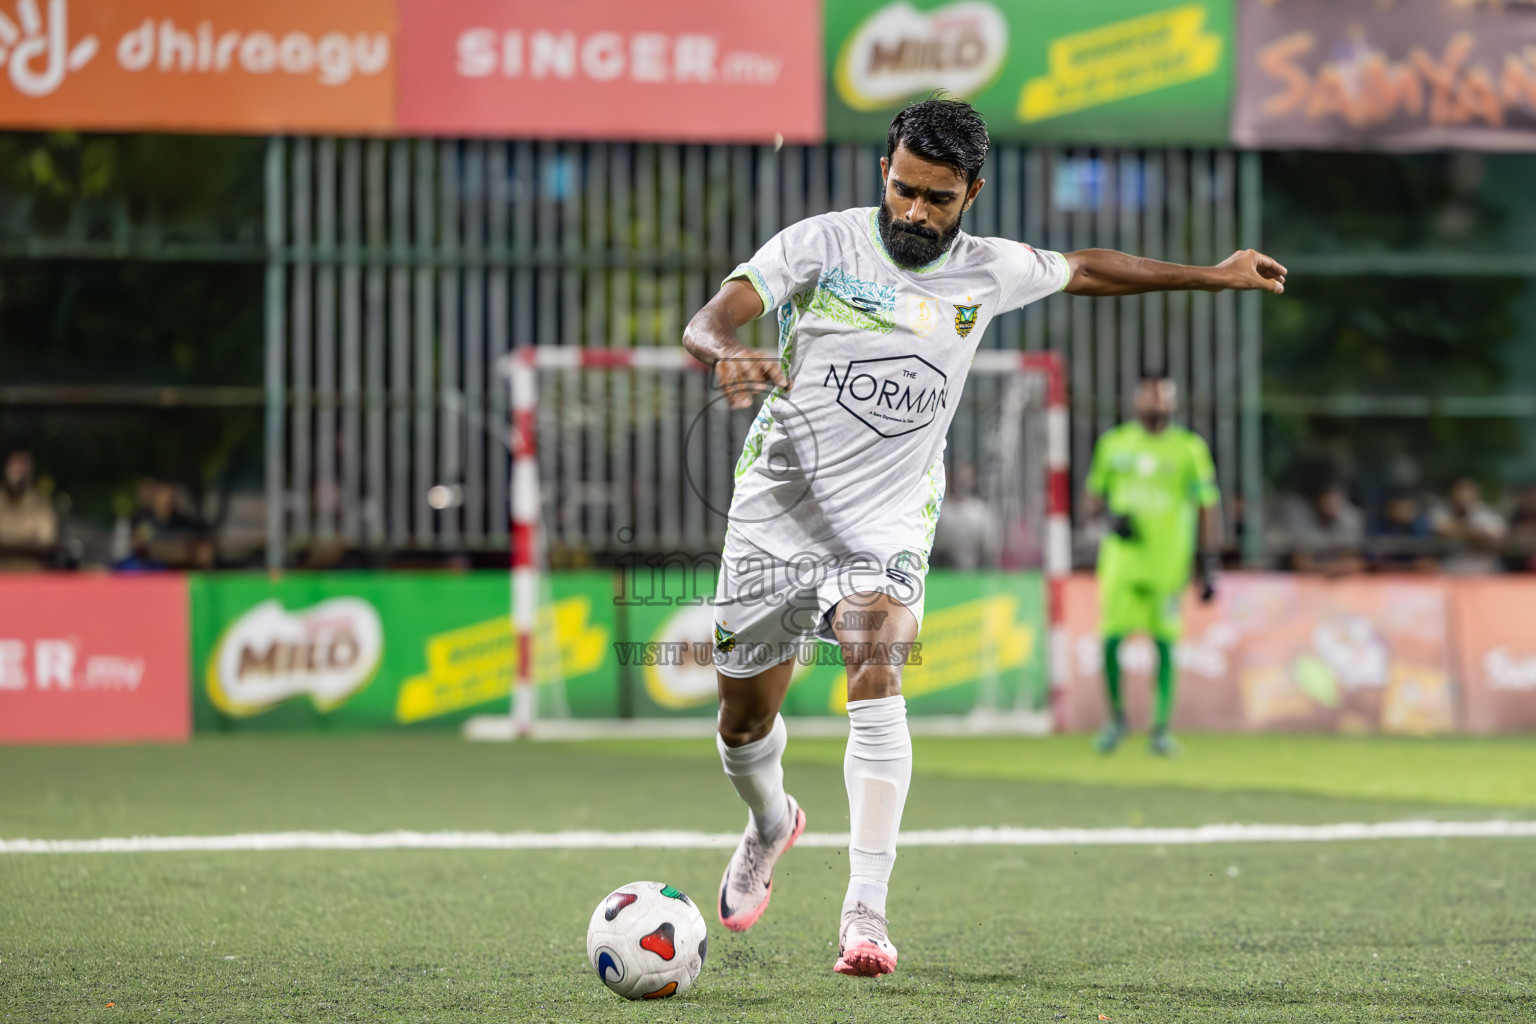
(922, 314)
(965, 318)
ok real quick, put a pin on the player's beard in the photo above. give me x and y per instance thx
(912, 245)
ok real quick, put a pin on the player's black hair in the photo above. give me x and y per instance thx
(945, 131)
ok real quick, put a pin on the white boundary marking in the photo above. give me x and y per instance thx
(402, 840)
(980, 722)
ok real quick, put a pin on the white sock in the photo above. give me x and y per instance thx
(877, 769)
(756, 769)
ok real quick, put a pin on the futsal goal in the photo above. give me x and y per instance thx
(623, 459)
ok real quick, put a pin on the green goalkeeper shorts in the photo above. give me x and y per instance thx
(1128, 608)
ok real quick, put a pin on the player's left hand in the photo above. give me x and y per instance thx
(1247, 270)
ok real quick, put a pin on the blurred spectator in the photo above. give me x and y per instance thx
(1520, 541)
(139, 557)
(29, 526)
(969, 535)
(1401, 535)
(1323, 533)
(1474, 529)
(166, 531)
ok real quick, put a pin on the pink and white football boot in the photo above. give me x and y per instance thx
(748, 883)
(864, 944)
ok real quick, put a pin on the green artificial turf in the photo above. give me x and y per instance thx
(1423, 930)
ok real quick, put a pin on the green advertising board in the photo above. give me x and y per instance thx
(982, 644)
(390, 650)
(1106, 72)
(362, 651)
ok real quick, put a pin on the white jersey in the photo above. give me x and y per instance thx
(851, 459)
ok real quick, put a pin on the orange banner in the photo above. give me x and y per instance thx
(1496, 652)
(198, 65)
(1285, 652)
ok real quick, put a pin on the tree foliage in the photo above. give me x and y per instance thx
(1388, 335)
(100, 321)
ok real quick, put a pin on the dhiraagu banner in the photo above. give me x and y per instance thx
(982, 645)
(385, 650)
(1111, 72)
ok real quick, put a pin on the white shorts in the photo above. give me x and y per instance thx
(767, 609)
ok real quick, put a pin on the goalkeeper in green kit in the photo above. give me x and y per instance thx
(1155, 483)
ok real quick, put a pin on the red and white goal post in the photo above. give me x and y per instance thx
(522, 369)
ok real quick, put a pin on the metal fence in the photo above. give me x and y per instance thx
(401, 271)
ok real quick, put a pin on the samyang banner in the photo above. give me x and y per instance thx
(1111, 72)
(1280, 652)
(1405, 75)
(1496, 652)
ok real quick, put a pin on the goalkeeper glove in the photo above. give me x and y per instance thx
(1122, 526)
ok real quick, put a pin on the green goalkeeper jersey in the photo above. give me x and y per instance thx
(1160, 481)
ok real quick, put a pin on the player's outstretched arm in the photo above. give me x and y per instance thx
(710, 337)
(1107, 272)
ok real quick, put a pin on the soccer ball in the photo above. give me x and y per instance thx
(647, 941)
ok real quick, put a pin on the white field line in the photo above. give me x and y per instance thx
(402, 840)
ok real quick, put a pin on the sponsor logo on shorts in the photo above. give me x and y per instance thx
(725, 639)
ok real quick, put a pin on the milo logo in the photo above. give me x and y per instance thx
(892, 396)
(899, 52)
(328, 651)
